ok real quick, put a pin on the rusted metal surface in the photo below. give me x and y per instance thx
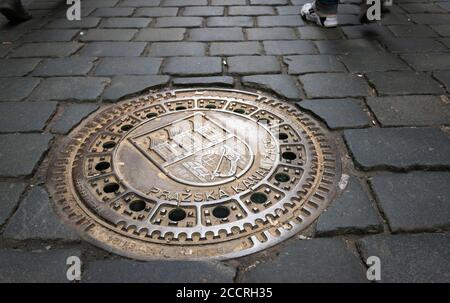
(194, 174)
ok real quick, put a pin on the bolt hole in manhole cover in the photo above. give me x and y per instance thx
(194, 174)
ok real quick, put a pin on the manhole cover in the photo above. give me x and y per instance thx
(194, 174)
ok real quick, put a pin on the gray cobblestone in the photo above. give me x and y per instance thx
(250, 10)
(373, 62)
(88, 22)
(113, 12)
(237, 21)
(272, 21)
(193, 66)
(9, 198)
(72, 115)
(334, 85)
(277, 33)
(410, 110)
(73, 66)
(125, 85)
(414, 201)
(216, 34)
(54, 49)
(50, 35)
(156, 11)
(443, 77)
(352, 212)
(338, 113)
(108, 35)
(318, 260)
(428, 62)
(17, 67)
(313, 63)
(399, 148)
(135, 3)
(113, 49)
(203, 11)
(422, 258)
(125, 22)
(35, 219)
(25, 116)
(412, 31)
(283, 85)
(179, 22)
(166, 34)
(16, 89)
(318, 33)
(35, 267)
(235, 48)
(348, 46)
(185, 3)
(19, 153)
(225, 80)
(403, 83)
(405, 45)
(127, 66)
(158, 272)
(289, 47)
(70, 88)
(246, 65)
(173, 49)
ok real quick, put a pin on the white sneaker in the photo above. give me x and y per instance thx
(308, 12)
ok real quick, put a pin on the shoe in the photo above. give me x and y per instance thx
(309, 13)
(14, 11)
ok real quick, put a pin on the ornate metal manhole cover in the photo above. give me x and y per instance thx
(194, 174)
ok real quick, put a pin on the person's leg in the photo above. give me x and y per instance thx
(322, 12)
(13, 10)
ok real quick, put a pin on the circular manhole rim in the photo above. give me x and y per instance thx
(83, 219)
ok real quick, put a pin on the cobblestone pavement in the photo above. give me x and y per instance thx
(383, 89)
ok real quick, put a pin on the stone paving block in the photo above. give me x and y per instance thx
(25, 116)
(125, 22)
(223, 81)
(410, 110)
(100, 3)
(403, 83)
(160, 34)
(173, 49)
(228, 2)
(70, 88)
(53, 49)
(136, 3)
(108, 34)
(50, 35)
(313, 63)
(334, 85)
(399, 148)
(352, 212)
(444, 5)
(246, 65)
(113, 49)
(367, 31)
(178, 22)
(113, 12)
(414, 201)
(4, 49)
(72, 66)
(443, 77)
(344, 20)
(35, 219)
(443, 30)
(413, 45)
(421, 8)
(156, 11)
(216, 34)
(421, 258)
(348, 46)
(318, 33)
(310, 261)
(276, 33)
(339, 113)
(127, 66)
(112, 271)
(373, 62)
(71, 116)
(283, 85)
(428, 62)
(203, 11)
(445, 41)
(9, 198)
(389, 19)
(235, 48)
(87, 22)
(19, 153)
(415, 30)
(250, 10)
(193, 66)
(185, 3)
(268, 2)
(289, 10)
(35, 266)
(125, 85)
(17, 67)
(237, 21)
(289, 47)
(273, 21)
(430, 18)
(16, 89)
